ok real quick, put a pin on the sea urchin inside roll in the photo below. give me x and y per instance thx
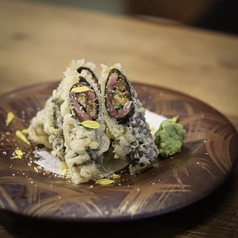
(127, 128)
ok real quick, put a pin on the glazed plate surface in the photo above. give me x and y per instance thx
(208, 156)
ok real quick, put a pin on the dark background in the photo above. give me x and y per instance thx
(215, 15)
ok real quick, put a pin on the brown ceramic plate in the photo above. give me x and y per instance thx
(208, 156)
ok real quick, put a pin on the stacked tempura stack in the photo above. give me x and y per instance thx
(90, 114)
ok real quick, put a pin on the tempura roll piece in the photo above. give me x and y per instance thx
(83, 126)
(124, 115)
(71, 125)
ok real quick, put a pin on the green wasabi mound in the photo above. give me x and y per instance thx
(169, 137)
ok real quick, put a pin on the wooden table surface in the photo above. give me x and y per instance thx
(38, 40)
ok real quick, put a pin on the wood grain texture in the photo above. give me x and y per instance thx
(37, 41)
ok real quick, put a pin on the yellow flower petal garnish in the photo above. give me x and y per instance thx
(25, 131)
(64, 168)
(90, 124)
(10, 117)
(105, 181)
(80, 89)
(36, 169)
(116, 176)
(18, 154)
(64, 172)
(175, 119)
(22, 137)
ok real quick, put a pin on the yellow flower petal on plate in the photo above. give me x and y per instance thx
(116, 176)
(90, 124)
(16, 157)
(80, 89)
(22, 137)
(64, 168)
(105, 181)
(175, 119)
(64, 172)
(10, 117)
(18, 154)
(25, 131)
(36, 169)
